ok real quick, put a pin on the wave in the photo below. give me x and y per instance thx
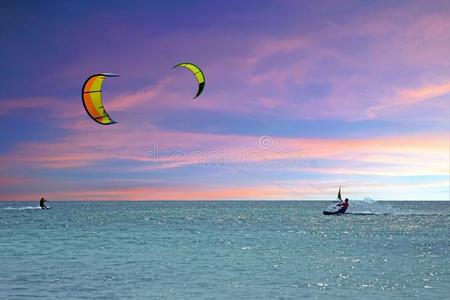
(22, 208)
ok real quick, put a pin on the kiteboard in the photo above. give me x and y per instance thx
(327, 213)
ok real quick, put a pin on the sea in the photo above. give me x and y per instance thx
(224, 250)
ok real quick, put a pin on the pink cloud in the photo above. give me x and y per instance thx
(146, 96)
(396, 41)
(408, 155)
(16, 181)
(12, 105)
(160, 193)
(407, 97)
(415, 153)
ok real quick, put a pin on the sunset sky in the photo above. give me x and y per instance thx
(301, 97)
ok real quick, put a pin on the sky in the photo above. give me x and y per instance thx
(301, 97)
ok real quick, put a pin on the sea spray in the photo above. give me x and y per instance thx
(370, 206)
(22, 208)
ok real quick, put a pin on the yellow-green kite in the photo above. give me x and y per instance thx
(198, 75)
(91, 94)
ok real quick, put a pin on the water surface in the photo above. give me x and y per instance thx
(224, 250)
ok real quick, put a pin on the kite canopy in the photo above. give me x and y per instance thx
(198, 75)
(91, 95)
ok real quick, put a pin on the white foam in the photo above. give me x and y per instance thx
(22, 208)
(370, 206)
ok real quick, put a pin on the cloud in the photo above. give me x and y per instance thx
(9, 106)
(10, 181)
(158, 193)
(408, 97)
(147, 96)
(156, 149)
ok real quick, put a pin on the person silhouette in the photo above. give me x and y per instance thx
(42, 203)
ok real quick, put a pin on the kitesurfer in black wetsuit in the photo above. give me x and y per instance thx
(42, 203)
(343, 206)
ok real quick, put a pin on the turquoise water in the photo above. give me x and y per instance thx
(224, 250)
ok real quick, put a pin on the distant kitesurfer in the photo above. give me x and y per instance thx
(344, 205)
(341, 208)
(42, 203)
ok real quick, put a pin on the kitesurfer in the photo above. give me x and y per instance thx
(42, 203)
(344, 205)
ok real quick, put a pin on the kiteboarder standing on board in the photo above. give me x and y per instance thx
(42, 203)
